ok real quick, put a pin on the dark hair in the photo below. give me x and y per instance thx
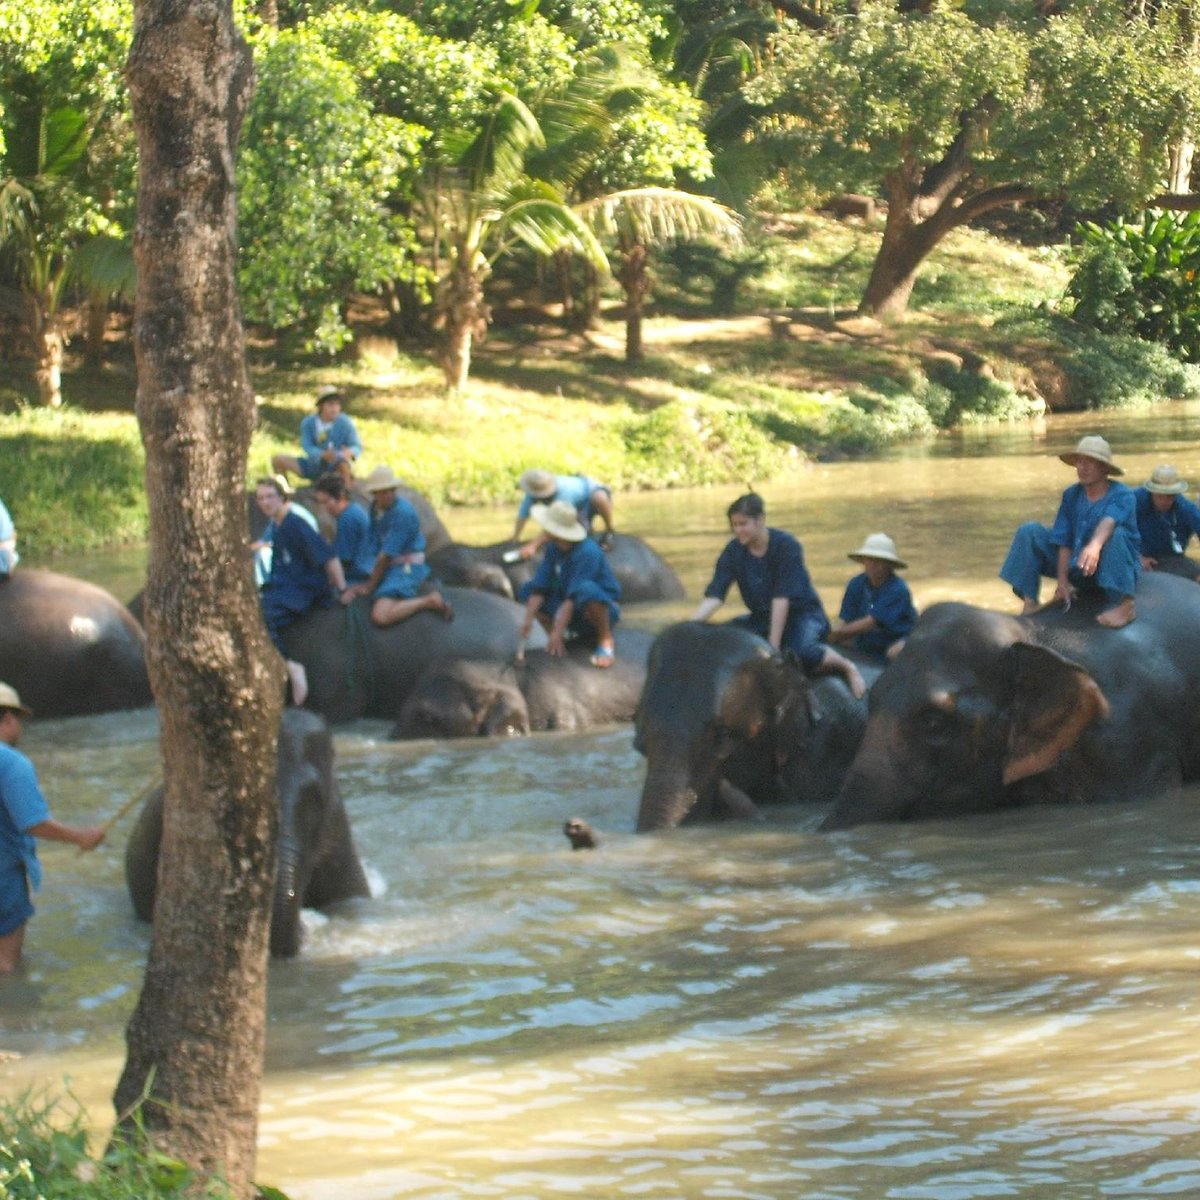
(749, 505)
(333, 486)
(273, 484)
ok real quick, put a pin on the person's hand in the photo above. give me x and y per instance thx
(1148, 564)
(556, 644)
(90, 837)
(350, 594)
(329, 454)
(1089, 558)
(528, 549)
(1063, 593)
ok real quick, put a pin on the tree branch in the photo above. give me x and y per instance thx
(1178, 201)
(798, 12)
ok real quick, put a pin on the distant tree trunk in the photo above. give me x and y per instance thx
(195, 1040)
(96, 310)
(464, 316)
(268, 13)
(46, 335)
(1179, 175)
(634, 278)
(566, 293)
(589, 317)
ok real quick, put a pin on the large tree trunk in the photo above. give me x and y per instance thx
(46, 335)
(195, 1040)
(464, 317)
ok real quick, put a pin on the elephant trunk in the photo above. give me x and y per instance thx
(288, 900)
(873, 790)
(668, 795)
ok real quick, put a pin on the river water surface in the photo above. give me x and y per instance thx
(998, 1007)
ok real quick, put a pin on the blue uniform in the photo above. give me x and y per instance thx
(778, 574)
(581, 575)
(262, 558)
(574, 489)
(298, 581)
(1034, 550)
(315, 438)
(1165, 533)
(352, 543)
(891, 605)
(396, 531)
(22, 806)
(8, 558)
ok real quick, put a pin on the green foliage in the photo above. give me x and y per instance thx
(1142, 278)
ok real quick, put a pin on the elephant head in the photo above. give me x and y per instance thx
(464, 698)
(965, 720)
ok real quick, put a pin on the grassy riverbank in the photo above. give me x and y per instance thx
(735, 387)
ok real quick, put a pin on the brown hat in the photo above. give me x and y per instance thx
(328, 392)
(539, 484)
(1165, 481)
(1093, 447)
(10, 699)
(381, 480)
(559, 520)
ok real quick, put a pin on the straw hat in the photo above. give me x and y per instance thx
(285, 489)
(1093, 447)
(559, 520)
(538, 483)
(10, 699)
(1165, 481)
(878, 545)
(328, 392)
(380, 480)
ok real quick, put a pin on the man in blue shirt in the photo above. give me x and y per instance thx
(24, 816)
(589, 498)
(1093, 543)
(8, 543)
(328, 441)
(1166, 520)
(573, 588)
(399, 578)
(352, 539)
(877, 611)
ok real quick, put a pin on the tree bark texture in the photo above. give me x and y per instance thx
(46, 336)
(465, 316)
(195, 1040)
(634, 278)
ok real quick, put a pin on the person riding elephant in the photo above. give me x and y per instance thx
(726, 725)
(589, 498)
(1166, 520)
(69, 647)
(317, 862)
(877, 610)
(329, 440)
(987, 711)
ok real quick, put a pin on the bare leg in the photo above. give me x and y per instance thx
(284, 464)
(596, 615)
(10, 950)
(602, 506)
(1119, 615)
(299, 680)
(390, 610)
(1029, 606)
(834, 664)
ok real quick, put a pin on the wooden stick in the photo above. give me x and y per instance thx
(138, 797)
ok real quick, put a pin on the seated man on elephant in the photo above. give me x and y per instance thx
(1166, 520)
(328, 440)
(352, 537)
(574, 587)
(8, 543)
(768, 567)
(399, 581)
(303, 568)
(589, 498)
(877, 611)
(262, 546)
(1093, 543)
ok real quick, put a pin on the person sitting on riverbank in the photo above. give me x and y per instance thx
(573, 589)
(328, 441)
(262, 545)
(1093, 543)
(768, 567)
(352, 536)
(303, 569)
(400, 579)
(589, 498)
(8, 543)
(877, 611)
(1166, 520)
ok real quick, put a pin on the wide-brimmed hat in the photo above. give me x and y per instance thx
(1165, 481)
(328, 392)
(878, 545)
(559, 520)
(380, 480)
(539, 484)
(10, 699)
(1093, 447)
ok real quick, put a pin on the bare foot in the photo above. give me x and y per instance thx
(1029, 606)
(1119, 615)
(855, 682)
(439, 604)
(299, 681)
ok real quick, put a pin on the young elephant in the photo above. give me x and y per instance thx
(318, 864)
(726, 725)
(984, 711)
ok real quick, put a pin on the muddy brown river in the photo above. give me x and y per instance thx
(1005, 1006)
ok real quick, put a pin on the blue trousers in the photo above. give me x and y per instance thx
(584, 593)
(1032, 555)
(804, 633)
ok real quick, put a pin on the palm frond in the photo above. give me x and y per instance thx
(547, 226)
(18, 206)
(496, 156)
(656, 214)
(104, 266)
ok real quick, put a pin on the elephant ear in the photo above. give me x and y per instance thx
(1052, 701)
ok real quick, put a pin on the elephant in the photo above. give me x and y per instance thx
(726, 724)
(984, 711)
(318, 864)
(642, 574)
(69, 647)
(468, 697)
(356, 669)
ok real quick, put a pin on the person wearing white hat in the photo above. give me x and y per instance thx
(877, 611)
(399, 583)
(24, 816)
(329, 440)
(1166, 520)
(1092, 545)
(573, 589)
(591, 500)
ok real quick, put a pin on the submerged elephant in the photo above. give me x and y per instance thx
(726, 725)
(642, 574)
(469, 698)
(356, 669)
(318, 864)
(69, 647)
(983, 711)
